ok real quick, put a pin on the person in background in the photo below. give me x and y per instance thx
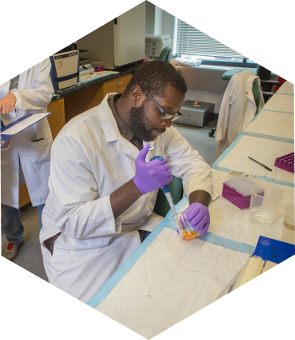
(26, 156)
(102, 187)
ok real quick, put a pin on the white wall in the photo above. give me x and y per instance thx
(149, 18)
(164, 22)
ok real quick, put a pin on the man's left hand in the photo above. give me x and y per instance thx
(198, 217)
(7, 103)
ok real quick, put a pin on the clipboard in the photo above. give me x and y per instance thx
(20, 125)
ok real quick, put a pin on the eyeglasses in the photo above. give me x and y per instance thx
(165, 116)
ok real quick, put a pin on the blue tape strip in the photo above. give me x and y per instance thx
(269, 179)
(291, 113)
(166, 223)
(228, 243)
(285, 93)
(258, 135)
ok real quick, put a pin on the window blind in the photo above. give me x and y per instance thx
(191, 41)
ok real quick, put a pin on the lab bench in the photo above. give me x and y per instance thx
(166, 279)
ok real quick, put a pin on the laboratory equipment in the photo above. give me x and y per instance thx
(184, 228)
(64, 70)
(195, 113)
(165, 189)
(237, 190)
(263, 205)
(85, 69)
(286, 162)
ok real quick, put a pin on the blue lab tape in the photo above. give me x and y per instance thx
(166, 223)
(279, 111)
(227, 243)
(269, 179)
(258, 135)
(287, 94)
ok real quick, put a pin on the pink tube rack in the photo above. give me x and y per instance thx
(286, 162)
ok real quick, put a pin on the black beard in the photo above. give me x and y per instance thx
(137, 118)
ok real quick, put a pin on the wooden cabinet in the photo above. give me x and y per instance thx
(83, 100)
(117, 85)
(57, 119)
(56, 122)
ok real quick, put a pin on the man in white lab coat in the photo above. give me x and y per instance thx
(101, 189)
(26, 156)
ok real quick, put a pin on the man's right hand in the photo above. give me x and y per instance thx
(150, 176)
(7, 103)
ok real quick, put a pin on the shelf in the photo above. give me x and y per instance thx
(84, 61)
(83, 51)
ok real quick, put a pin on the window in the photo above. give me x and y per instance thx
(192, 42)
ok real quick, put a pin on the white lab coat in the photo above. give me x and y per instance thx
(237, 109)
(34, 93)
(89, 161)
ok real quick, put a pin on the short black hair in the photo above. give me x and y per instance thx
(155, 76)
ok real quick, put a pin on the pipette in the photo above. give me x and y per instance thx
(167, 193)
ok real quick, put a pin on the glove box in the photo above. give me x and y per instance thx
(195, 113)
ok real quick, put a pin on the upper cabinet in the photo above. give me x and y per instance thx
(119, 42)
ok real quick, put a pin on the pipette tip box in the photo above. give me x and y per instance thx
(286, 162)
(237, 190)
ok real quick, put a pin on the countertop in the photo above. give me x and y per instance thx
(122, 71)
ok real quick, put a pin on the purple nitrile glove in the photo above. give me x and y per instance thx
(198, 217)
(150, 176)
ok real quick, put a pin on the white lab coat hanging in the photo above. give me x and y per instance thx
(30, 147)
(237, 109)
